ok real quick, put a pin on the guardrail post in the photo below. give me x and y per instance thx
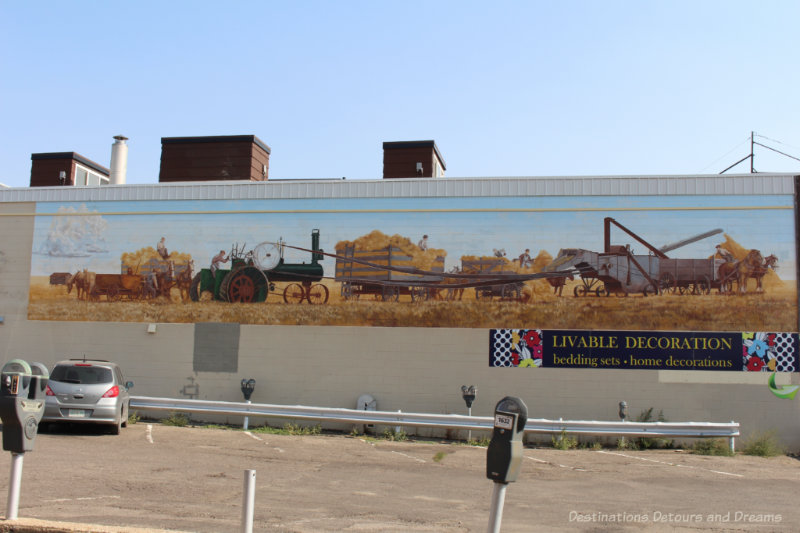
(248, 501)
(731, 442)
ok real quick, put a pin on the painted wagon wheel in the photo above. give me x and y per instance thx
(317, 294)
(580, 290)
(419, 294)
(602, 291)
(294, 293)
(483, 293)
(702, 285)
(390, 293)
(242, 285)
(511, 292)
(667, 284)
(650, 290)
(112, 294)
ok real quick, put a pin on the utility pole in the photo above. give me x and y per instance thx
(752, 155)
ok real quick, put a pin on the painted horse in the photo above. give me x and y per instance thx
(752, 266)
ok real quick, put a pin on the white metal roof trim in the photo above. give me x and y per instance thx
(409, 188)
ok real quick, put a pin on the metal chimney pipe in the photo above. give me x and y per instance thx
(119, 160)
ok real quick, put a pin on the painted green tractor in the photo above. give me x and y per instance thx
(253, 276)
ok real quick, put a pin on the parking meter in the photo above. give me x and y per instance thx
(504, 456)
(248, 386)
(22, 395)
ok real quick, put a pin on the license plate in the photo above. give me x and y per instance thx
(77, 413)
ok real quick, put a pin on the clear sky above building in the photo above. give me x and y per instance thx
(505, 88)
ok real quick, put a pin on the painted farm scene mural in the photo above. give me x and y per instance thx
(722, 263)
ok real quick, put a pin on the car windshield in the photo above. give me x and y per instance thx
(82, 375)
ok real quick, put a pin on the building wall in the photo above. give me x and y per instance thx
(418, 369)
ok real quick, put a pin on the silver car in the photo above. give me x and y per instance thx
(88, 391)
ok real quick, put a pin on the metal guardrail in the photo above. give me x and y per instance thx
(534, 425)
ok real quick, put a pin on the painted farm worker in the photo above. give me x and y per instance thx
(161, 247)
(423, 243)
(725, 254)
(525, 258)
(216, 260)
(151, 284)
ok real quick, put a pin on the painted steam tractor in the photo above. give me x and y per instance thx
(253, 276)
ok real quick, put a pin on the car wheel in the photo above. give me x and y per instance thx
(125, 415)
(117, 427)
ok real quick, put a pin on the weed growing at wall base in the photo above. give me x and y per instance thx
(712, 447)
(564, 442)
(176, 419)
(763, 445)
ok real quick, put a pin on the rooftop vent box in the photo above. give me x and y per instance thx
(55, 169)
(220, 158)
(412, 159)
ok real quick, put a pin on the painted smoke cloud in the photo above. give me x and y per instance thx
(75, 233)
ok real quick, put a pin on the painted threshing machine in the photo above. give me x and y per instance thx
(254, 273)
(618, 270)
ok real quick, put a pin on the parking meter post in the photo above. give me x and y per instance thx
(496, 512)
(14, 483)
(469, 393)
(504, 455)
(248, 385)
(249, 501)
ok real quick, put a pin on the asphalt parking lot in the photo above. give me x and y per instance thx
(191, 479)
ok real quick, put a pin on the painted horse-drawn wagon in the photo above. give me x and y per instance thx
(115, 286)
(384, 274)
(493, 266)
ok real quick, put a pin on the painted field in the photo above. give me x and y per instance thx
(773, 310)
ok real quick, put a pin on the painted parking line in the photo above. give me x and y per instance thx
(575, 468)
(82, 499)
(256, 437)
(669, 463)
(409, 456)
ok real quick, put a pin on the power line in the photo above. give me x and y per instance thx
(751, 155)
(777, 141)
(778, 151)
(726, 154)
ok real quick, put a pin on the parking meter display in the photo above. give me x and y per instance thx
(503, 421)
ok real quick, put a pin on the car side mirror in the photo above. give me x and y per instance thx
(129, 384)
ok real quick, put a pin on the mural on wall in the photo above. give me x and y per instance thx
(675, 263)
(748, 351)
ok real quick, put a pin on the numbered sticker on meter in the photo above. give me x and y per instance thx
(503, 421)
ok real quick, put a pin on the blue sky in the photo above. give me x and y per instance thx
(97, 242)
(507, 88)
